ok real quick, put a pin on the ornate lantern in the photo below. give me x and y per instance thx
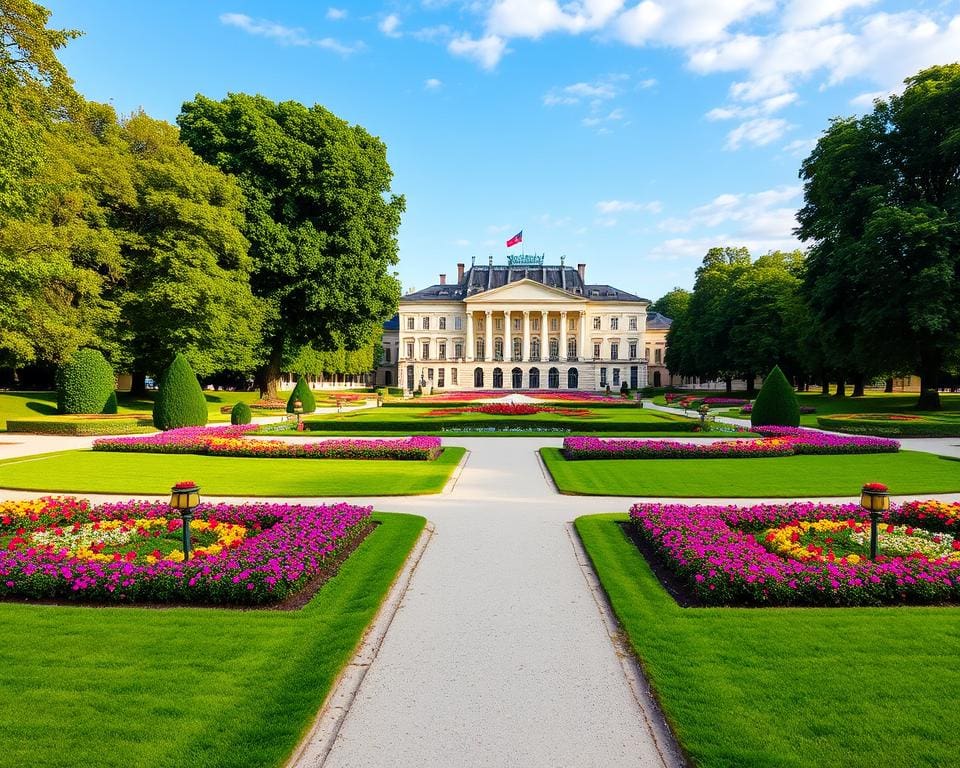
(875, 499)
(185, 498)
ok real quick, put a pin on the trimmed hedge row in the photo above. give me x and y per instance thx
(80, 427)
(439, 425)
(888, 428)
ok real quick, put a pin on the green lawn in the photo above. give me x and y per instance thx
(119, 687)
(789, 476)
(151, 473)
(789, 688)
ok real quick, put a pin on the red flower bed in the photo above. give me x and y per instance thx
(510, 409)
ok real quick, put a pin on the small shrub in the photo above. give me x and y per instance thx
(776, 403)
(86, 384)
(180, 401)
(241, 414)
(302, 393)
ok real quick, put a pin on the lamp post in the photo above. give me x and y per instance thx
(298, 410)
(875, 498)
(185, 497)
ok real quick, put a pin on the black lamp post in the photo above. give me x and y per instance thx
(875, 498)
(185, 497)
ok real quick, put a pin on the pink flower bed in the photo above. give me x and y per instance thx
(719, 554)
(510, 409)
(274, 550)
(233, 441)
(540, 394)
(776, 441)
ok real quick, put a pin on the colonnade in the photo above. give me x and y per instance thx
(507, 333)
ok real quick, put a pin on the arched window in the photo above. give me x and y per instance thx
(480, 350)
(553, 378)
(516, 376)
(554, 349)
(498, 378)
(571, 349)
(517, 348)
(534, 378)
(478, 377)
(498, 348)
(573, 378)
(535, 349)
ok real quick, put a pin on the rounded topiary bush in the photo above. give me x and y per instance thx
(180, 401)
(86, 384)
(302, 393)
(240, 414)
(776, 403)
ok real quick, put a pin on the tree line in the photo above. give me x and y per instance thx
(253, 236)
(877, 292)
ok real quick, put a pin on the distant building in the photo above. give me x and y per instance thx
(524, 325)
(655, 349)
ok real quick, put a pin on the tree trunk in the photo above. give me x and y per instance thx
(751, 383)
(858, 385)
(728, 384)
(888, 385)
(825, 385)
(268, 377)
(841, 387)
(929, 394)
(138, 383)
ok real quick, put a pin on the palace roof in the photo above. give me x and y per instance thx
(478, 279)
(656, 321)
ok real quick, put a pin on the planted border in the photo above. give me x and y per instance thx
(76, 427)
(892, 424)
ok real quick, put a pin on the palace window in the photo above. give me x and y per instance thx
(426, 323)
(535, 349)
(478, 377)
(658, 356)
(534, 378)
(479, 354)
(440, 374)
(571, 349)
(614, 323)
(596, 323)
(410, 323)
(646, 353)
(596, 351)
(457, 323)
(409, 350)
(535, 324)
(517, 348)
(554, 349)
(442, 350)
(603, 377)
(498, 378)
(633, 323)
(554, 324)
(498, 349)
(516, 324)
(616, 377)
(633, 350)
(614, 351)
(573, 379)
(426, 350)
(458, 350)
(429, 374)
(553, 378)
(442, 323)
(571, 324)
(453, 376)
(386, 354)
(498, 323)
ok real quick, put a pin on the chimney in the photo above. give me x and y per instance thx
(582, 269)
(443, 279)
(460, 272)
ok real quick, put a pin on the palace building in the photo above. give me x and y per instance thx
(523, 325)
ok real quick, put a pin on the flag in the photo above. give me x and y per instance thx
(517, 238)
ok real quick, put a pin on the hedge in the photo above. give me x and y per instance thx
(86, 384)
(241, 414)
(776, 403)
(857, 425)
(180, 401)
(80, 427)
(438, 425)
(302, 393)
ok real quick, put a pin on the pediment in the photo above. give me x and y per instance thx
(525, 290)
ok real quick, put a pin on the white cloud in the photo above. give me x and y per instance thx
(486, 51)
(685, 22)
(429, 34)
(390, 25)
(800, 147)
(432, 84)
(336, 14)
(285, 35)
(760, 131)
(650, 82)
(623, 206)
(808, 13)
(765, 107)
(535, 18)
(866, 99)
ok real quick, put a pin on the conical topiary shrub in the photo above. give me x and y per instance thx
(241, 414)
(776, 403)
(180, 401)
(86, 384)
(302, 393)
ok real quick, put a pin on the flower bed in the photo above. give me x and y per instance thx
(804, 553)
(944, 424)
(776, 442)
(539, 394)
(232, 441)
(510, 409)
(247, 554)
(695, 401)
(804, 409)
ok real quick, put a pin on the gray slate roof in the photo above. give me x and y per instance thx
(657, 321)
(478, 279)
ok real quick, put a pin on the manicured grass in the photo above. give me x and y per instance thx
(118, 687)
(788, 476)
(146, 473)
(795, 688)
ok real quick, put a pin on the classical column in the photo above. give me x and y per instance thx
(488, 337)
(582, 338)
(563, 335)
(469, 353)
(526, 336)
(544, 338)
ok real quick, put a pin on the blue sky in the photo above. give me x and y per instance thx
(628, 135)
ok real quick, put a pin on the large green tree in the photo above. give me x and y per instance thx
(672, 304)
(320, 218)
(882, 206)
